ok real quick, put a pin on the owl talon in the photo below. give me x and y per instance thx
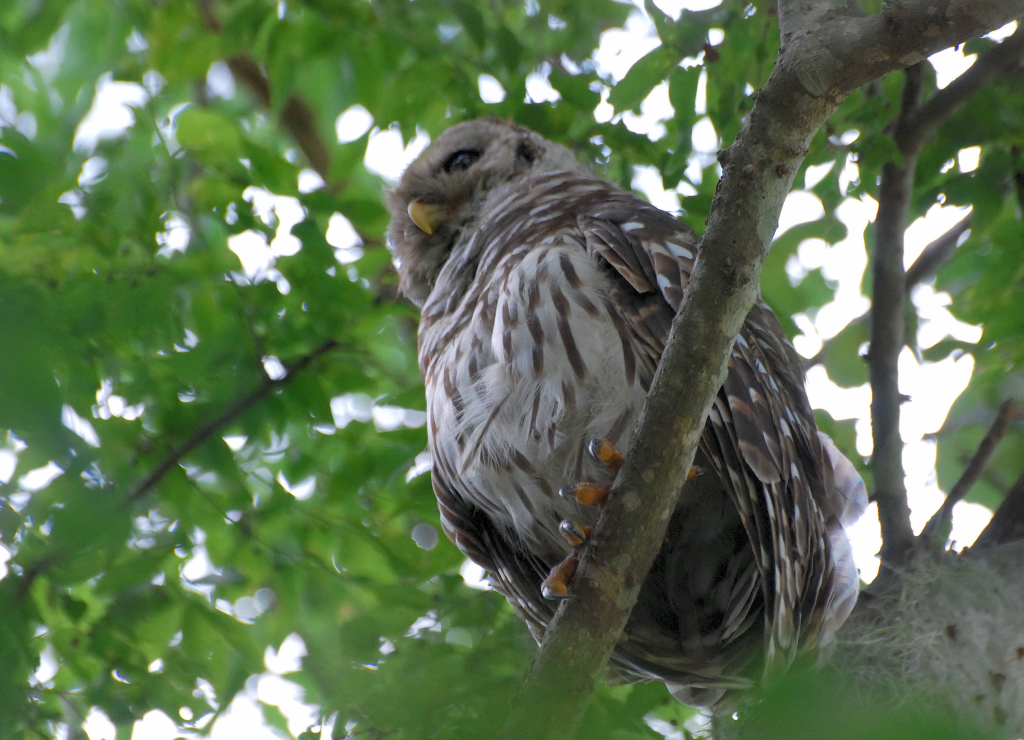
(604, 451)
(574, 533)
(589, 494)
(556, 585)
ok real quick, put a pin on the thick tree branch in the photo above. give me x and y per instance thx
(1007, 523)
(840, 51)
(1009, 412)
(232, 412)
(939, 654)
(888, 303)
(826, 56)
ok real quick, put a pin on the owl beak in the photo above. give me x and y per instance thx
(428, 216)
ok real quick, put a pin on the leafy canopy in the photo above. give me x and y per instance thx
(226, 453)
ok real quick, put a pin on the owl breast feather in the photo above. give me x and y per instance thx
(526, 370)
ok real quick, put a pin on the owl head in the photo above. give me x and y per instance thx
(442, 192)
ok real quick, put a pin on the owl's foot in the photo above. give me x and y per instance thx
(591, 494)
(556, 585)
(574, 533)
(604, 451)
(595, 494)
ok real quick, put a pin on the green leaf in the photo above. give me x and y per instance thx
(210, 135)
(642, 77)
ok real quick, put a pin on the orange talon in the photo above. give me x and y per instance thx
(605, 451)
(591, 494)
(573, 533)
(556, 585)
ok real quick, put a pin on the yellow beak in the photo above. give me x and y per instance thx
(428, 216)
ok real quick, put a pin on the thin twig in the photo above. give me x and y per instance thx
(1007, 523)
(1009, 412)
(932, 257)
(936, 254)
(232, 412)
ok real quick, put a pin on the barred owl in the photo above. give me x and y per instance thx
(546, 296)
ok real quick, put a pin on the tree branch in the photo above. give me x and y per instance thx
(895, 192)
(232, 412)
(1007, 523)
(296, 117)
(911, 129)
(936, 254)
(850, 50)
(820, 64)
(913, 134)
(1009, 412)
(932, 257)
(1003, 58)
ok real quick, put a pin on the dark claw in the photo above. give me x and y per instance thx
(556, 585)
(554, 592)
(575, 534)
(604, 452)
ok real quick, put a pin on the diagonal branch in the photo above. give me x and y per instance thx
(823, 60)
(932, 257)
(232, 412)
(939, 107)
(1007, 523)
(296, 116)
(1009, 412)
(936, 254)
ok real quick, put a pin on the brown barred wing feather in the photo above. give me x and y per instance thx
(760, 436)
(512, 570)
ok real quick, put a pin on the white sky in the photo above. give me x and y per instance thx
(933, 387)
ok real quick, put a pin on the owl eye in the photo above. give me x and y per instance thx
(461, 160)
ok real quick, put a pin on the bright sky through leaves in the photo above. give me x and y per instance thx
(260, 250)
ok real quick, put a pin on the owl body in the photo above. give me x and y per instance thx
(526, 366)
(547, 296)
